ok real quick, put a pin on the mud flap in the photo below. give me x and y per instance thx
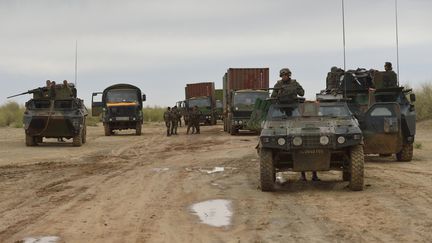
(311, 160)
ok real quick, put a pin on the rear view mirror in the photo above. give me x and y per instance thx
(144, 97)
(412, 97)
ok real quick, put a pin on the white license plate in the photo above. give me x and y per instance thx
(122, 118)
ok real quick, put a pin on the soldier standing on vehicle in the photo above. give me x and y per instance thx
(390, 77)
(287, 88)
(174, 121)
(167, 118)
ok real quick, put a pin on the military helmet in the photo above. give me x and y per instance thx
(284, 71)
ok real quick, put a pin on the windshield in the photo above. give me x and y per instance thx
(309, 110)
(200, 102)
(122, 95)
(246, 101)
(219, 104)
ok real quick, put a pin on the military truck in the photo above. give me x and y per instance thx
(241, 88)
(121, 108)
(54, 112)
(311, 136)
(386, 113)
(202, 95)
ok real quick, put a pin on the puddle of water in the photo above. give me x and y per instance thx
(217, 213)
(42, 239)
(214, 170)
(160, 169)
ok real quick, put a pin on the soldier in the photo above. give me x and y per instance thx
(167, 119)
(390, 77)
(196, 120)
(174, 121)
(287, 88)
(314, 176)
(189, 120)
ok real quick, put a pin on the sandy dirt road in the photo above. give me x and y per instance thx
(126, 188)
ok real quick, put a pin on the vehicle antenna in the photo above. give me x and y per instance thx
(344, 43)
(76, 61)
(397, 41)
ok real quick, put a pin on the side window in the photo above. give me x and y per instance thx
(381, 111)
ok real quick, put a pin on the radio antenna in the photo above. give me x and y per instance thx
(76, 61)
(397, 41)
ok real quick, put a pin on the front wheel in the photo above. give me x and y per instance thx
(356, 169)
(267, 170)
(77, 139)
(138, 129)
(406, 153)
(107, 130)
(30, 140)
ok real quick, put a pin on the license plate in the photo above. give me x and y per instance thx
(312, 151)
(122, 118)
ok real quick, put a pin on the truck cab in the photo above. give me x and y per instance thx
(241, 106)
(120, 108)
(204, 104)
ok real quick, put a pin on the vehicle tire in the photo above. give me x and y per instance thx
(346, 176)
(38, 140)
(107, 129)
(84, 134)
(77, 139)
(356, 169)
(30, 140)
(233, 131)
(406, 153)
(267, 170)
(138, 129)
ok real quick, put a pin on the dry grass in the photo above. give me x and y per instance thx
(153, 114)
(11, 115)
(423, 102)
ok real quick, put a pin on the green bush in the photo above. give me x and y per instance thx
(423, 102)
(153, 114)
(11, 114)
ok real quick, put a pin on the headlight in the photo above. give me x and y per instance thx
(341, 140)
(281, 141)
(297, 141)
(134, 119)
(324, 140)
(240, 122)
(110, 119)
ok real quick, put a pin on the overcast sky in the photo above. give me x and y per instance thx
(162, 45)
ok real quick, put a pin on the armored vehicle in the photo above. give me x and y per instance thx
(121, 108)
(385, 111)
(311, 136)
(55, 112)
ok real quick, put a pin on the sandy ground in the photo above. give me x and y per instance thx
(127, 188)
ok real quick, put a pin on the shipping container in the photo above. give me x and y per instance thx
(200, 89)
(247, 78)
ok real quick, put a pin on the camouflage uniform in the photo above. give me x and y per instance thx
(174, 121)
(389, 77)
(194, 117)
(167, 119)
(188, 120)
(289, 89)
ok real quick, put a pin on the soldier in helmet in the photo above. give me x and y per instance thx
(174, 121)
(390, 77)
(167, 118)
(287, 88)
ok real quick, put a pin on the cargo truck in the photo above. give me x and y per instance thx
(219, 103)
(202, 95)
(241, 88)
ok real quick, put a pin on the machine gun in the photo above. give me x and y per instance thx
(32, 91)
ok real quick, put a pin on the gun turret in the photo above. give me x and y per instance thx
(32, 91)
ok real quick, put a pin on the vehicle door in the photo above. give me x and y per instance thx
(97, 103)
(381, 128)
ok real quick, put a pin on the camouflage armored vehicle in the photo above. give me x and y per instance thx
(385, 111)
(121, 108)
(311, 136)
(55, 112)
